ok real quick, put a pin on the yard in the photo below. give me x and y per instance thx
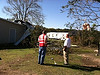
(24, 62)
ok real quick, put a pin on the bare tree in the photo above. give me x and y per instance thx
(82, 11)
(26, 10)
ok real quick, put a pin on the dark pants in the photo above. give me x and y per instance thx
(98, 52)
(98, 49)
(42, 52)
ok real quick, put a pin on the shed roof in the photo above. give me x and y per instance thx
(11, 22)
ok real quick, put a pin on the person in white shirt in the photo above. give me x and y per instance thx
(67, 45)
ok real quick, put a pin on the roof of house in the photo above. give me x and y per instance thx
(57, 32)
(11, 22)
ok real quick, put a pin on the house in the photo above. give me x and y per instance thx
(57, 35)
(13, 32)
(86, 26)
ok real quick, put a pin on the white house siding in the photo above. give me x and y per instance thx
(57, 35)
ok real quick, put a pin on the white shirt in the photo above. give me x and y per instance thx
(67, 42)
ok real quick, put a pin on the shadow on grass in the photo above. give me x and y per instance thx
(78, 67)
(12, 46)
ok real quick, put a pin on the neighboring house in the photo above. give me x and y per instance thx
(86, 26)
(57, 35)
(11, 32)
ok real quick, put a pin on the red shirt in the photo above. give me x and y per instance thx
(42, 40)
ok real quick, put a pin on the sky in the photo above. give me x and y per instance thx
(53, 16)
(51, 10)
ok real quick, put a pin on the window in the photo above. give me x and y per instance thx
(56, 34)
(12, 35)
(52, 35)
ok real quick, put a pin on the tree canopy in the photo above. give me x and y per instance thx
(82, 11)
(26, 10)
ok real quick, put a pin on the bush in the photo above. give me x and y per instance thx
(32, 40)
(55, 46)
(87, 38)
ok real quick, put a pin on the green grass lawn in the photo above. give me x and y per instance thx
(25, 61)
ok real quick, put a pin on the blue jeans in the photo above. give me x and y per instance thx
(42, 52)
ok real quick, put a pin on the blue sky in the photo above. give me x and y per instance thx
(2, 4)
(53, 16)
(51, 10)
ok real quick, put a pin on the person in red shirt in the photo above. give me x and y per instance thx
(42, 47)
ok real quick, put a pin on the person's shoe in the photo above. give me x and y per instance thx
(66, 64)
(42, 64)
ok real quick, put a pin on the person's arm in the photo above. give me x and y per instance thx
(45, 40)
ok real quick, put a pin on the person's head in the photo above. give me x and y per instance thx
(44, 32)
(67, 35)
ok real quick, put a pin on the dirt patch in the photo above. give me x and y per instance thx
(11, 72)
(3, 73)
(14, 73)
(90, 60)
(6, 67)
